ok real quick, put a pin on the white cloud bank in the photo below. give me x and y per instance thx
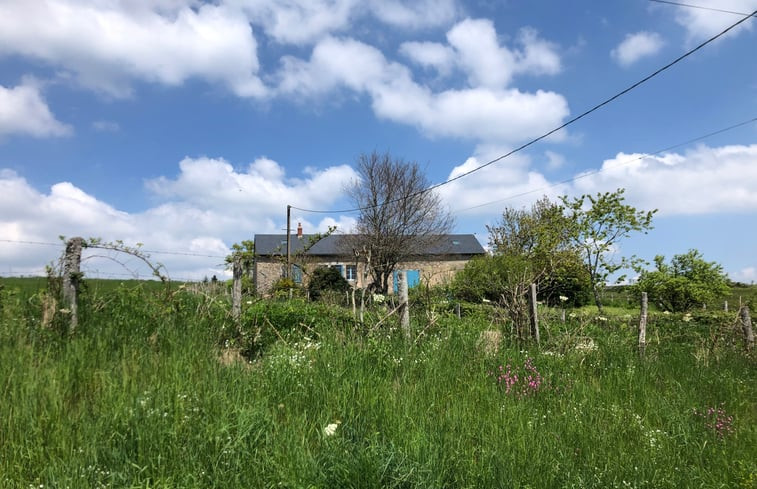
(637, 46)
(23, 110)
(206, 208)
(703, 180)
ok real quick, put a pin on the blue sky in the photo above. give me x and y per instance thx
(188, 125)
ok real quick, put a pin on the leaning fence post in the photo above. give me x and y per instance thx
(72, 278)
(236, 289)
(643, 324)
(405, 310)
(746, 326)
(534, 318)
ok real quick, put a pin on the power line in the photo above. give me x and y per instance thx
(679, 4)
(600, 170)
(547, 134)
(40, 243)
(157, 252)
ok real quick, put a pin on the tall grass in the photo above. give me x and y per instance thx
(138, 398)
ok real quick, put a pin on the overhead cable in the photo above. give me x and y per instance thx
(600, 170)
(549, 133)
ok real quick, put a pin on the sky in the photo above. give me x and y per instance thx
(184, 126)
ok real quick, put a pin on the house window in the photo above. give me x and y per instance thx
(351, 272)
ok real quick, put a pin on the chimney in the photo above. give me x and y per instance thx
(299, 230)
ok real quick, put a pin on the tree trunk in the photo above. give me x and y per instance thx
(597, 299)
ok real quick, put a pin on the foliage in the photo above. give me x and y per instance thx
(283, 287)
(687, 282)
(398, 216)
(326, 279)
(245, 253)
(598, 229)
(144, 377)
(500, 279)
(567, 279)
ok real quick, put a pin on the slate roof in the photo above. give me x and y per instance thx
(337, 244)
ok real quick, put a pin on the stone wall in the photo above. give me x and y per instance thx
(432, 272)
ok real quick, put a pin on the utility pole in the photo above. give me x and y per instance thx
(289, 234)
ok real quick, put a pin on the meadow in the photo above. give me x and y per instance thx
(158, 388)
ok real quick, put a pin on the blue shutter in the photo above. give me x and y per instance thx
(413, 279)
(296, 274)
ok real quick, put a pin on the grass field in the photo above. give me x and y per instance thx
(151, 393)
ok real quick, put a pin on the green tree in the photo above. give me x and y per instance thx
(245, 251)
(687, 282)
(599, 223)
(541, 236)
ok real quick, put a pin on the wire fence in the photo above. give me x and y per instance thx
(111, 264)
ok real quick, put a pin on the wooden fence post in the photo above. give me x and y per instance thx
(533, 316)
(746, 326)
(72, 279)
(643, 324)
(404, 309)
(236, 290)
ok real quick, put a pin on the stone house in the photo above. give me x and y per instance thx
(434, 265)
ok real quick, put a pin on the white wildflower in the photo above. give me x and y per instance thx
(330, 429)
(563, 298)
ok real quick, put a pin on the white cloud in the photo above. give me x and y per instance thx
(24, 111)
(701, 181)
(304, 22)
(488, 64)
(298, 21)
(107, 45)
(746, 275)
(637, 46)
(430, 55)
(415, 13)
(479, 112)
(208, 206)
(701, 24)
(507, 183)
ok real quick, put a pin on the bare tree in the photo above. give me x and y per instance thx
(399, 218)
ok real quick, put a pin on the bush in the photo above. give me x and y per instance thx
(326, 279)
(687, 282)
(283, 286)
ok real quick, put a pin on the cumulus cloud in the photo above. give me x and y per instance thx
(488, 64)
(701, 24)
(481, 111)
(201, 211)
(703, 180)
(23, 110)
(303, 22)
(636, 46)
(416, 13)
(430, 55)
(107, 45)
(507, 183)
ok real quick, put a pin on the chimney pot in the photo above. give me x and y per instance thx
(299, 230)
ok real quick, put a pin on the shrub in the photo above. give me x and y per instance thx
(687, 282)
(326, 279)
